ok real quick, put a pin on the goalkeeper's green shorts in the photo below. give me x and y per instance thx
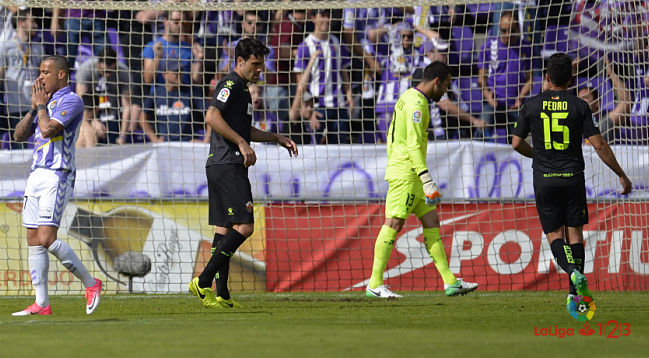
(404, 198)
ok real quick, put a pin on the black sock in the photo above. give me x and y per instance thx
(563, 254)
(579, 255)
(222, 274)
(217, 238)
(224, 249)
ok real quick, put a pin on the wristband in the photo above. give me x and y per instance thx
(425, 177)
(41, 107)
(33, 112)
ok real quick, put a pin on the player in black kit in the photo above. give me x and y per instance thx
(230, 196)
(557, 121)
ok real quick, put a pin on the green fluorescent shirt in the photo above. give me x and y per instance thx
(408, 137)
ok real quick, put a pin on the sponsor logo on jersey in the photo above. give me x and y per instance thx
(174, 110)
(45, 213)
(224, 94)
(416, 116)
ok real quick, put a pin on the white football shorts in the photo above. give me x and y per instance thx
(46, 196)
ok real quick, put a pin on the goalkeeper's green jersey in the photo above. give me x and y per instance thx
(408, 137)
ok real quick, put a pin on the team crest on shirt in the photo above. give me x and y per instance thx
(52, 105)
(224, 94)
(229, 84)
(416, 116)
(595, 121)
(249, 206)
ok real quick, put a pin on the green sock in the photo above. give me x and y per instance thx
(436, 251)
(382, 250)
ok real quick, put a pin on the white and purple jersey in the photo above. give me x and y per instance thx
(57, 153)
(506, 66)
(399, 66)
(326, 81)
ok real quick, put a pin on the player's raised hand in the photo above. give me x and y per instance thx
(289, 144)
(626, 185)
(197, 51)
(314, 121)
(39, 95)
(431, 190)
(158, 50)
(249, 156)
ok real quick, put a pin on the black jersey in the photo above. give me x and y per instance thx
(233, 100)
(558, 121)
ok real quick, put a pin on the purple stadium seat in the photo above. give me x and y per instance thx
(632, 135)
(49, 43)
(5, 141)
(470, 94)
(500, 135)
(480, 11)
(556, 40)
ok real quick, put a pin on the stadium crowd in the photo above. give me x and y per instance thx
(333, 76)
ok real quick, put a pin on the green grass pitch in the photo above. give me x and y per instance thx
(422, 324)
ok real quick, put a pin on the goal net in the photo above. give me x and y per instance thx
(146, 71)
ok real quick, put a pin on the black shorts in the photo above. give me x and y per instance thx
(561, 205)
(230, 195)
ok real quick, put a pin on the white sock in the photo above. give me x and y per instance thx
(70, 261)
(39, 265)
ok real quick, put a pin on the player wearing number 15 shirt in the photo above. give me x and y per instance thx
(557, 121)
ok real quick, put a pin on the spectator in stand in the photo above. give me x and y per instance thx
(78, 21)
(300, 117)
(399, 63)
(283, 43)
(175, 110)
(313, 121)
(104, 85)
(328, 79)
(505, 75)
(359, 26)
(609, 121)
(20, 58)
(170, 47)
(447, 119)
(251, 27)
(636, 129)
(7, 29)
(262, 118)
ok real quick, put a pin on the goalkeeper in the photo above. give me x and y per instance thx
(411, 187)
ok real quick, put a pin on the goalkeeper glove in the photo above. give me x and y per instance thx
(431, 190)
